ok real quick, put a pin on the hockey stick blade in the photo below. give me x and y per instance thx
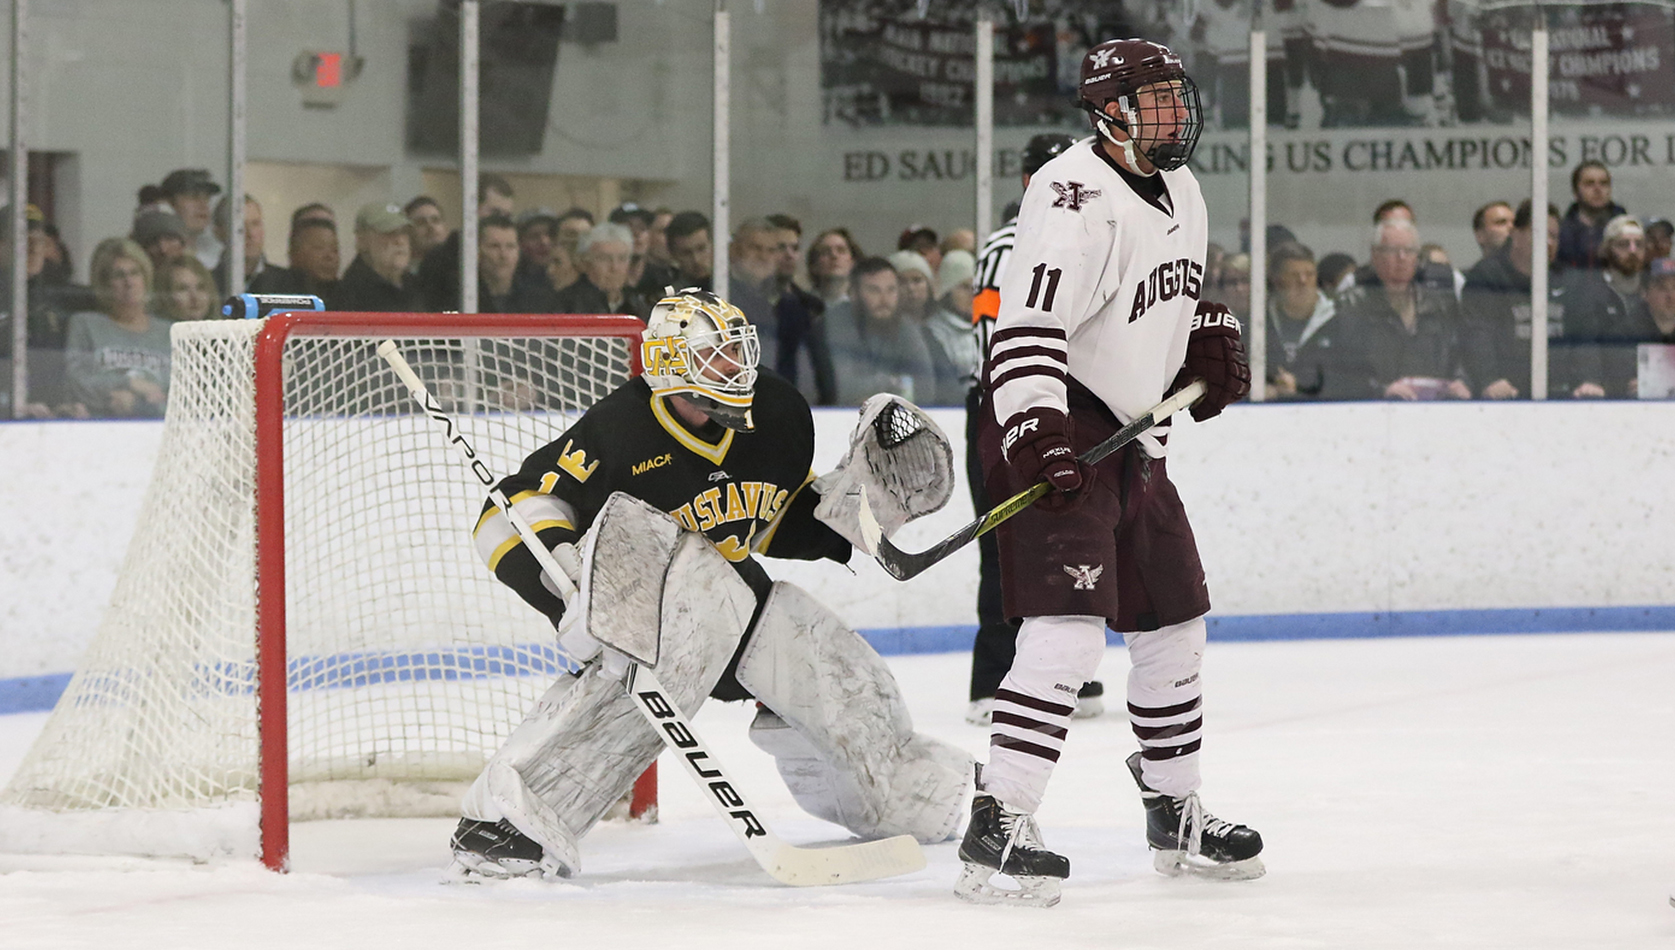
(903, 565)
(786, 863)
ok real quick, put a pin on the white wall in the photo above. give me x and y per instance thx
(1297, 509)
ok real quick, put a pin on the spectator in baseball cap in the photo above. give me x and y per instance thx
(188, 191)
(377, 279)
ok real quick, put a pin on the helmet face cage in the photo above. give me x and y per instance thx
(703, 347)
(1158, 106)
(1159, 112)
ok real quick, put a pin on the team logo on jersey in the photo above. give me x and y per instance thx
(1084, 576)
(1074, 194)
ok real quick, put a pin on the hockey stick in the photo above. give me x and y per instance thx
(906, 564)
(786, 863)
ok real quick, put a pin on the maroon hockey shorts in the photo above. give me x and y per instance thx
(1126, 553)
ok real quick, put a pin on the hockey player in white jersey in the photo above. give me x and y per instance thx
(1100, 317)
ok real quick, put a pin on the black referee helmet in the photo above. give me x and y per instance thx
(1044, 148)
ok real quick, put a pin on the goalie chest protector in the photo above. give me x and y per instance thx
(729, 485)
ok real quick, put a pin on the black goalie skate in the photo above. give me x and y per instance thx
(496, 850)
(1186, 839)
(1008, 842)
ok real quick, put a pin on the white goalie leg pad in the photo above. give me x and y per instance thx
(838, 730)
(899, 460)
(585, 742)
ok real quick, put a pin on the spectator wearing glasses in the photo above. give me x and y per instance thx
(1398, 338)
(377, 280)
(117, 358)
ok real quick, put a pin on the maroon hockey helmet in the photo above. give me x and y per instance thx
(1115, 71)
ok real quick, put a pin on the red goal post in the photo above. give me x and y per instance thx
(301, 627)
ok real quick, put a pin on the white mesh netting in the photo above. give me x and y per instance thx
(408, 663)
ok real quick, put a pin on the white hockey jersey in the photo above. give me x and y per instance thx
(1101, 286)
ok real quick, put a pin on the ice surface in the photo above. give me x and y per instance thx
(1514, 792)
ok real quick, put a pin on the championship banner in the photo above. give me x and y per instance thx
(1332, 64)
(1613, 59)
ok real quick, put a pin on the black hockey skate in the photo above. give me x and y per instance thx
(1005, 841)
(496, 850)
(1186, 839)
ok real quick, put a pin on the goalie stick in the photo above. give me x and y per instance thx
(903, 565)
(786, 863)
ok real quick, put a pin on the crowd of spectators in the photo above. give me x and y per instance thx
(1410, 325)
(1403, 323)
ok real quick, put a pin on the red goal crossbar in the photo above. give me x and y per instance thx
(273, 781)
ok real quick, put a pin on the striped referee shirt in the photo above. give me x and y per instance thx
(985, 303)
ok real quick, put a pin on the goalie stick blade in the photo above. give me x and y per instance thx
(844, 864)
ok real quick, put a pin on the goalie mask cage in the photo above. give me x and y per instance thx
(301, 627)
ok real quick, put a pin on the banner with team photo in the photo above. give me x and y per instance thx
(1332, 64)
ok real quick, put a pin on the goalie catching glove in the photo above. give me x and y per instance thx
(1036, 445)
(898, 461)
(1215, 353)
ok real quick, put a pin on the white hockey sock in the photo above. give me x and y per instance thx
(1056, 655)
(1165, 704)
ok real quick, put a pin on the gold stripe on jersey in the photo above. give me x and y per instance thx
(714, 453)
(494, 535)
(779, 515)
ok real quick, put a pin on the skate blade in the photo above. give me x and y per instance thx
(974, 886)
(468, 868)
(1182, 864)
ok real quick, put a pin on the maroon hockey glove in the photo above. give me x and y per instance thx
(1215, 354)
(1036, 444)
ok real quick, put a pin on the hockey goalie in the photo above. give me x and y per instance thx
(718, 458)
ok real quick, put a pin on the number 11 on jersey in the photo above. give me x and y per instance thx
(1052, 285)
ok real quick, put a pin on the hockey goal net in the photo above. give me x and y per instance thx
(301, 628)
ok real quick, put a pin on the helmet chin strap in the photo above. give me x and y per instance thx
(1106, 124)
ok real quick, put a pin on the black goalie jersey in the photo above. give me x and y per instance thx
(748, 492)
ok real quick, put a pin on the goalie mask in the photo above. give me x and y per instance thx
(1157, 104)
(701, 347)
